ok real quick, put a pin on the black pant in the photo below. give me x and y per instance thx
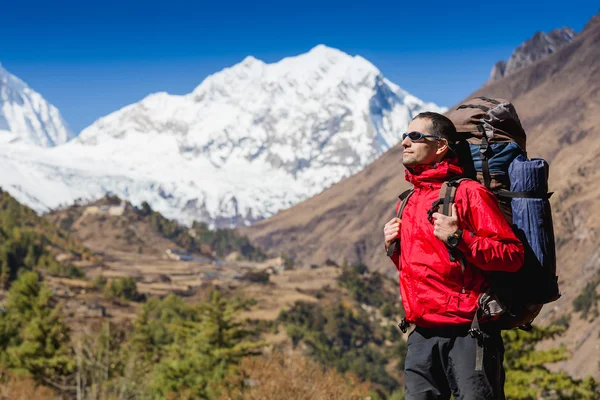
(444, 362)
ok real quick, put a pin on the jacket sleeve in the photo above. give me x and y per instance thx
(488, 240)
(396, 256)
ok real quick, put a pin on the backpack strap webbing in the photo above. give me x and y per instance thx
(482, 108)
(403, 325)
(404, 196)
(523, 195)
(446, 201)
(448, 194)
(493, 101)
(483, 151)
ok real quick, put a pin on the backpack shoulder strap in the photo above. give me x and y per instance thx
(446, 201)
(404, 199)
(446, 197)
(404, 196)
(484, 155)
(450, 195)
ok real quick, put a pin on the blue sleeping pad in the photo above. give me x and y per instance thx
(533, 219)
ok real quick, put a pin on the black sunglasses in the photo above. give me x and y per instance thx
(414, 136)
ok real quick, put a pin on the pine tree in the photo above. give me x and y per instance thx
(154, 326)
(205, 351)
(33, 338)
(527, 377)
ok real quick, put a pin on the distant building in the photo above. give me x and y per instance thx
(92, 210)
(113, 211)
(116, 211)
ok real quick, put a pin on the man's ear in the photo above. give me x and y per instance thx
(442, 147)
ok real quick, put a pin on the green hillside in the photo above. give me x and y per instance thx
(29, 241)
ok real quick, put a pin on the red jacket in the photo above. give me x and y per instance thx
(431, 285)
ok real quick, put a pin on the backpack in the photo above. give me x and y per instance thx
(491, 148)
(489, 137)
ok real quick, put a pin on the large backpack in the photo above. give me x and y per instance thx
(491, 146)
(490, 137)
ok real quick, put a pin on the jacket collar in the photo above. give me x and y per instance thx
(431, 174)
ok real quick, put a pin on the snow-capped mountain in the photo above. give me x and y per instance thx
(535, 49)
(26, 117)
(248, 141)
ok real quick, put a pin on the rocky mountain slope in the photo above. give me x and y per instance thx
(558, 100)
(25, 117)
(248, 141)
(533, 50)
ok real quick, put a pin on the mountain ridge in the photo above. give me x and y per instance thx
(305, 122)
(540, 46)
(26, 117)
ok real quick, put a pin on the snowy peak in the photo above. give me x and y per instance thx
(311, 72)
(26, 117)
(291, 114)
(322, 58)
(537, 48)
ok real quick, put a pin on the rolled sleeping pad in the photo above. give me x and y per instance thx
(532, 218)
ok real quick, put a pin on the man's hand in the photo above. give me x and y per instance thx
(391, 231)
(445, 226)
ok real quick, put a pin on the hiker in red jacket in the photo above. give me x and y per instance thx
(439, 291)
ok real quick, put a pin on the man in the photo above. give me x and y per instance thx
(439, 297)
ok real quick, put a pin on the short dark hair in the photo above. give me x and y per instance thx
(440, 125)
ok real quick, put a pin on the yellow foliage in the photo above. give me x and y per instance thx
(292, 377)
(14, 387)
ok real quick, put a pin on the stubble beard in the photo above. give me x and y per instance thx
(409, 161)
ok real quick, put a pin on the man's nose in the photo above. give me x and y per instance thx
(406, 142)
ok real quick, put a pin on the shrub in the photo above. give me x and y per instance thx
(278, 376)
(360, 269)
(226, 241)
(257, 277)
(66, 223)
(587, 301)
(65, 271)
(341, 338)
(367, 288)
(17, 387)
(562, 321)
(122, 288)
(99, 282)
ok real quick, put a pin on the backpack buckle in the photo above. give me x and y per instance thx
(434, 209)
(475, 333)
(526, 327)
(403, 325)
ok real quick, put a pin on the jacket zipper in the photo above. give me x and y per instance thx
(462, 268)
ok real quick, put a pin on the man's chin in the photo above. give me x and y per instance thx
(409, 163)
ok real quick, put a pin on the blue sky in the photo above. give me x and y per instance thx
(91, 58)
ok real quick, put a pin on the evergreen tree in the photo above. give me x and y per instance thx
(123, 288)
(527, 377)
(33, 338)
(153, 329)
(205, 351)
